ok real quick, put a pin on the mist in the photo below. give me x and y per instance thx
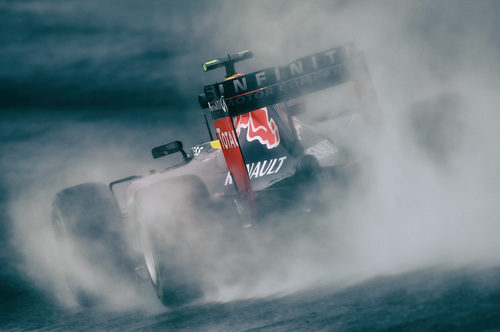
(428, 197)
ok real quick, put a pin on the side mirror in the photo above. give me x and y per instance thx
(169, 148)
(203, 101)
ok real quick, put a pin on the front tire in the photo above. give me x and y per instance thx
(170, 217)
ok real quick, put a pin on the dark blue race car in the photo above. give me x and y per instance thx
(262, 160)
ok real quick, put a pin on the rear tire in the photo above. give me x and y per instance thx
(88, 223)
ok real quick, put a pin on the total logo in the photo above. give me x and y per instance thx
(259, 127)
(227, 139)
(260, 169)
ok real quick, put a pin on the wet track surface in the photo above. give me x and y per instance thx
(426, 300)
(465, 298)
(86, 90)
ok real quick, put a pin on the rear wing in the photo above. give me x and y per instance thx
(306, 75)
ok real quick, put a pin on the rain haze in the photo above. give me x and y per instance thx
(87, 89)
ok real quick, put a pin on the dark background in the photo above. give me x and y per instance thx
(86, 83)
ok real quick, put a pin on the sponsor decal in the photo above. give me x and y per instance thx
(260, 169)
(196, 150)
(276, 84)
(259, 127)
(227, 139)
(241, 84)
(291, 88)
(322, 149)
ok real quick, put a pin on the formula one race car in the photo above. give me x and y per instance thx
(264, 160)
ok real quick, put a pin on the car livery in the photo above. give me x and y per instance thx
(260, 159)
(259, 127)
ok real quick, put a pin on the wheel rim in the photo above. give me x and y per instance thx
(149, 258)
